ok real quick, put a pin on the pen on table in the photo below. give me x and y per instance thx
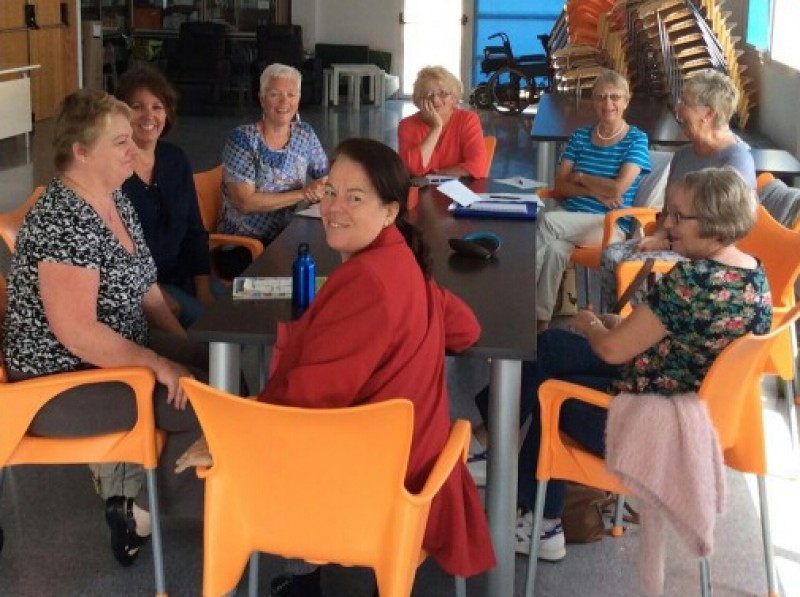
(503, 197)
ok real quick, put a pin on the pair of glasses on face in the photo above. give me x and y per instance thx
(677, 217)
(614, 97)
(441, 94)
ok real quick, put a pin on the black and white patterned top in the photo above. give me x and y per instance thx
(62, 228)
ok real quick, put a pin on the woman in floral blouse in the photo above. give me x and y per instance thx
(666, 345)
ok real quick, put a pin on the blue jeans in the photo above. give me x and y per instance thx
(566, 356)
(184, 294)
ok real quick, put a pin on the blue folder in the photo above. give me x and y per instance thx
(502, 210)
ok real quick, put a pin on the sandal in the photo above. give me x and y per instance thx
(125, 543)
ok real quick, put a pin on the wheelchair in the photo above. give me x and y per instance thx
(514, 82)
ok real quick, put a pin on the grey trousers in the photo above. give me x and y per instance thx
(107, 407)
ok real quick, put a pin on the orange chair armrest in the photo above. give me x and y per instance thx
(251, 244)
(644, 215)
(202, 471)
(453, 451)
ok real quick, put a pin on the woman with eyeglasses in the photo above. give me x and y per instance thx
(600, 170)
(706, 105)
(665, 347)
(441, 138)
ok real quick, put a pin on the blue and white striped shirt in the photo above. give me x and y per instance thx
(605, 162)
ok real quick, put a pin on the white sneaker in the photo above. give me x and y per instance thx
(551, 539)
(476, 463)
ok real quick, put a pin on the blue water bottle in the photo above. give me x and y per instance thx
(303, 277)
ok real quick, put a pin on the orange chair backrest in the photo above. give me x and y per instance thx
(11, 221)
(778, 248)
(23, 399)
(732, 391)
(325, 485)
(491, 146)
(208, 185)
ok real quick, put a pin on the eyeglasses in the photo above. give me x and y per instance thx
(614, 97)
(441, 94)
(677, 217)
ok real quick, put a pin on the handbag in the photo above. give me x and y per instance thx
(582, 519)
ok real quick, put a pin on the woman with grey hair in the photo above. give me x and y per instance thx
(271, 166)
(600, 171)
(441, 138)
(665, 347)
(704, 109)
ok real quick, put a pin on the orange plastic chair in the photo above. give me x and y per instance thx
(491, 146)
(141, 444)
(732, 392)
(208, 185)
(11, 221)
(324, 485)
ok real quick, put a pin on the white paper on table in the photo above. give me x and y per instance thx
(528, 197)
(436, 179)
(459, 193)
(312, 211)
(521, 182)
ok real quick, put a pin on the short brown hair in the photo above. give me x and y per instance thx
(82, 118)
(724, 204)
(143, 76)
(441, 75)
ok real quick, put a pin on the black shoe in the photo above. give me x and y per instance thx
(296, 585)
(125, 543)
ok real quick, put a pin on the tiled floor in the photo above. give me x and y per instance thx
(56, 540)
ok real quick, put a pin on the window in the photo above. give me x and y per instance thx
(771, 25)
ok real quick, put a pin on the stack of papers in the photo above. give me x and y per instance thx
(465, 197)
(267, 288)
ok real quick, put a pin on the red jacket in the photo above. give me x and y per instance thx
(460, 144)
(378, 330)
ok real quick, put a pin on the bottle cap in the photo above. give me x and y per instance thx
(302, 249)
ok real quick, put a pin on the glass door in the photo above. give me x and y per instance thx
(432, 31)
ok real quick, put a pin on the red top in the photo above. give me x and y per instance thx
(378, 330)
(460, 144)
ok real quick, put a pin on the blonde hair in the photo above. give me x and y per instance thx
(82, 117)
(724, 204)
(716, 90)
(440, 75)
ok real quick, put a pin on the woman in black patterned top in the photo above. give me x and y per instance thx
(82, 294)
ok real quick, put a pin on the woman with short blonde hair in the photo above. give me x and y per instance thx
(441, 138)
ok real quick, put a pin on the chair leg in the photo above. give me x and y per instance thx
(158, 546)
(705, 578)
(461, 586)
(252, 579)
(2, 537)
(791, 413)
(533, 560)
(766, 535)
(619, 510)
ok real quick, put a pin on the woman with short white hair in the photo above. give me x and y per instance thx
(271, 165)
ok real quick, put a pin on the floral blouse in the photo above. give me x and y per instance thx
(704, 305)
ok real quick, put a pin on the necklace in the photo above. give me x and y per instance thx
(109, 218)
(612, 135)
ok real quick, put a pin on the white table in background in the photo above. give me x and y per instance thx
(15, 101)
(354, 73)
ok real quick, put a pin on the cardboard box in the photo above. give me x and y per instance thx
(147, 18)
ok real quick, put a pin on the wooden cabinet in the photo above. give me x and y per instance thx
(52, 44)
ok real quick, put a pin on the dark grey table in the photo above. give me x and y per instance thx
(559, 115)
(778, 161)
(500, 291)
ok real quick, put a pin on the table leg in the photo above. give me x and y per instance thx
(326, 87)
(224, 366)
(380, 88)
(355, 86)
(501, 486)
(335, 87)
(546, 162)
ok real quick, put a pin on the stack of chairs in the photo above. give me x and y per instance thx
(655, 44)
(580, 59)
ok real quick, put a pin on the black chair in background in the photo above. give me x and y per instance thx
(200, 59)
(284, 44)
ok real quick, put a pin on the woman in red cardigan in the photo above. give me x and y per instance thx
(441, 138)
(378, 329)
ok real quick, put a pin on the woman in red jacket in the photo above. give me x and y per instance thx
(378, 329)
(441, 138)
